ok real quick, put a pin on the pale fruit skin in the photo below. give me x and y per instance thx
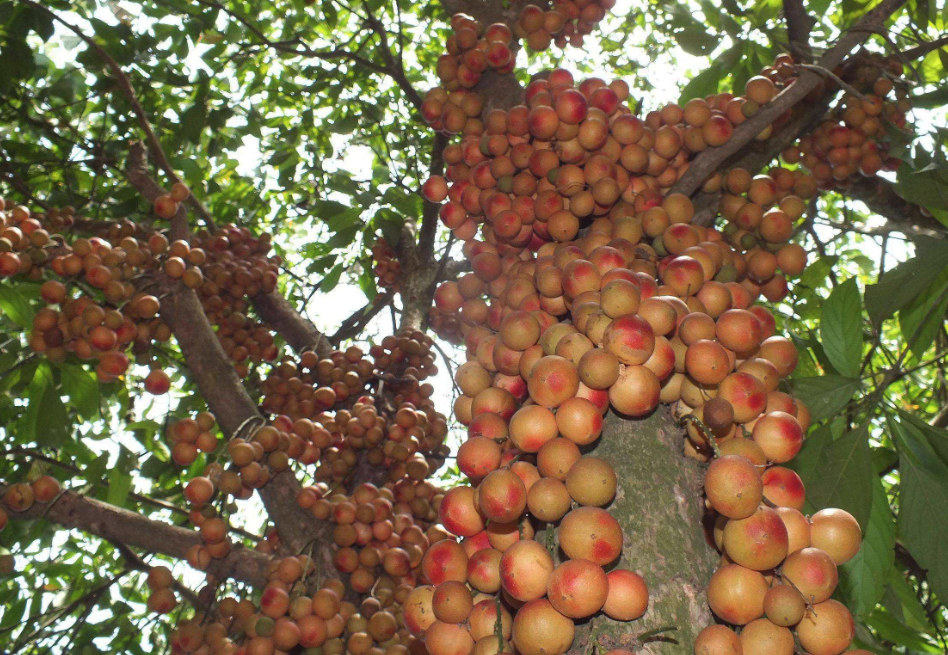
(736, 594)
(827, 629)
(733, 486)
(627, 599)
(539, 629)
(836, 532)
(758, 542)
(578, 588)
(761, 637)
(591, 533)
(718, 640)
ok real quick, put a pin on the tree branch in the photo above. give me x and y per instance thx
(353, 326)
(920, 51)
(215, 377)
(115, 524)
(799, 24)
(711, 159)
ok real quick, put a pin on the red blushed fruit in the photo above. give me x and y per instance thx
(478, 456)
(525, 569)
(685, 275)
(627, 599)
(502, 496)
(747, 396)
(102, 338)
(571, 107)
(717, 131)
(591, 533)
(630, 338)
(543, 122)
(498, 55)
(605, 99)
(759, 542)
(483, 570)
(447, 298)
(445, 561)
(476, 543)
(157, 383)
(459, 514)
(779, 435)
(578, 588)
(165, 206)
(435, 189)
(418, 611)
(783, 487)
(113, 363)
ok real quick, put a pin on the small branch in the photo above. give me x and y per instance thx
(799, 24)
(833, 76)
(920, 51)
(353, 326)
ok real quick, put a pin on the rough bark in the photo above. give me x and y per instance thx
(659, 506)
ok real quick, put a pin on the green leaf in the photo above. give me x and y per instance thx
(923, 499)
(863, 579)
(825, 395)
(922, 319)
(901, 285)
(837, 472)
(120, 480)
(841, 328)
(703, 84)
(82, 389)
(15, 305)
(331, 280)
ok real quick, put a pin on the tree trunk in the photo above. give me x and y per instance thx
(659, 506)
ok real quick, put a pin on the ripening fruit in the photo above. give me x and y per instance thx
(812, 572)
(736, 594)
(779, 435)
(418, 609)
(718, 640)
(553, 380)
(757, 542)
(525, 570)
(733, 486)
(591, 533)
(836, 532)
(538, 629)
(157, 382)
(452, 602)
(591, 481)
(826, 629)
(636, 392)
(445, 560)
(448, 639)
(548, 500)
(761, 637)
(502, 496)
(784, 605)
(577, 588)
(627, 599)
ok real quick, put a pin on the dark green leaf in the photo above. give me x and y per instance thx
(825, 395)
(841, 328)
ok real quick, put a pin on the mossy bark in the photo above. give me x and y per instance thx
(660, 508)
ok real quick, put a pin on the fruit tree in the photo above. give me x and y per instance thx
(476, 328)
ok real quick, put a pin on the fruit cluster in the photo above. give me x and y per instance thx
(594, 287)
(567, 21)
(387, 268)
(102, 291)
(852, 139)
